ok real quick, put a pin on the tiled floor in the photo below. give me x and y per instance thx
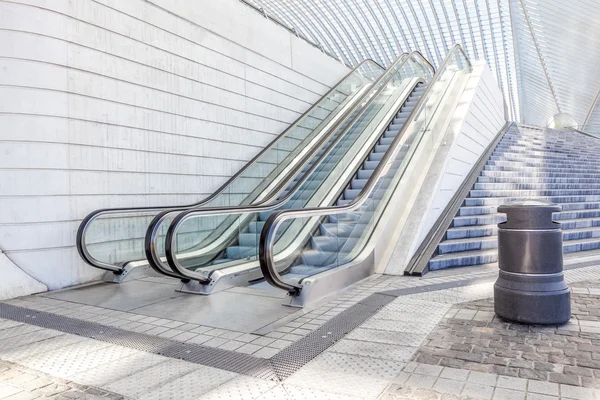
(375, 360)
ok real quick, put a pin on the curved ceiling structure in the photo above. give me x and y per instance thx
(543, 52)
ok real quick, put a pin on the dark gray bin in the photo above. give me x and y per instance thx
(531, 288)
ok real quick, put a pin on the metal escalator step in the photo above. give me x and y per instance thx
(386, 140)
(370, 165)
(331, 243)
(358, 183)
(365, 173)
(248, 239)
(381, 148)
(318, 258)
(256, 226)
(237, 252)
(376, 156)
(351, 194)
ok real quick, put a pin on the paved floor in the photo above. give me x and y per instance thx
(435, 338)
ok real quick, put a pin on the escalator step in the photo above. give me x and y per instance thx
(376, 156)
(351, 194)
(365, 173)
(358, 183)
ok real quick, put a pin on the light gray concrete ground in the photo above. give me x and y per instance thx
(375, 360)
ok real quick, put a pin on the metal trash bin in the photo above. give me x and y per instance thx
(531, 287)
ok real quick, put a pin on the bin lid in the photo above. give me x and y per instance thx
(529, 214)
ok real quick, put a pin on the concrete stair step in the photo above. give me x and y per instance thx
(467, 258)
(533, 193)
(534, 186)
(562, 200)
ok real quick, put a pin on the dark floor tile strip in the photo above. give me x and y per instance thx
(295, 356)
(198, 354)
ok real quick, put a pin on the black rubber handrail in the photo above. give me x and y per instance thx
(171, 235)
(118, 268)
(267, 236)
(155, 260)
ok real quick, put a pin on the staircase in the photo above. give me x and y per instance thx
(562, 167)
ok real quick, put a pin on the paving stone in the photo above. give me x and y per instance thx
(482, 378)
(421, 381)
(511, 383)
(532, 374)
(548, 388)
(508, 394)
(565, 379)
(578, 371)
(52, 389)
(477, 391)
(577, 393)
(455, 374)
(537, 396)
(431, 370)
(248, 348)
(448, 386)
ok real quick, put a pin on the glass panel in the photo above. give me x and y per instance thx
(337, 235)
(235, 240)
(115, 237)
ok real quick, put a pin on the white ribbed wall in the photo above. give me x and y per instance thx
(112, 103)
(476, 121)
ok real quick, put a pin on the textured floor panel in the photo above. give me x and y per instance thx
(11, 343)
(301, 352)
(240, 388)
(305, 393)
(377, 336)
(142, 382)
(279, 367)
(118, 369)
(70, 360)
(347, 374)
(217, 358)
(189, 386)
(374, 350)
(40, 347)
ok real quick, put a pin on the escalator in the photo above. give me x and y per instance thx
(337, 234)
(248, 239)
(113, 239)
(348, 237)
(229, 258)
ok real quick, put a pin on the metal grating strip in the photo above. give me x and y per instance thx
(295, 356)
(198, 354)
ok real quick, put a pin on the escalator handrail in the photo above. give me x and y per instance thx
(85, 223)
(267, 236)
(171, 235)
(270, 201)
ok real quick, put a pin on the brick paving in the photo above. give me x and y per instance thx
(20, 383)
(471, 337)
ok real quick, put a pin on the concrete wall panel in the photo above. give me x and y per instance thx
(110, 103)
